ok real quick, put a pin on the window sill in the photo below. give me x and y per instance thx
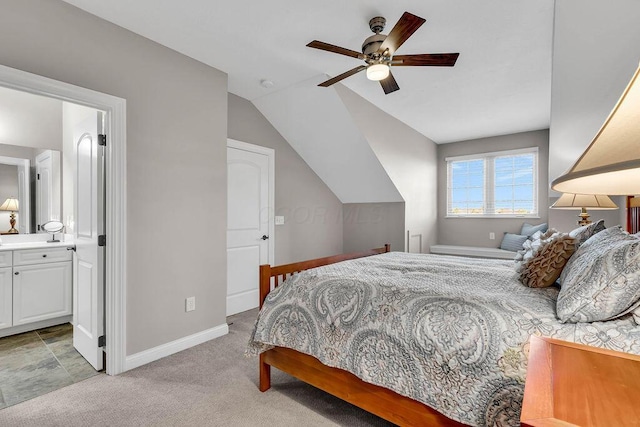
(493, 216)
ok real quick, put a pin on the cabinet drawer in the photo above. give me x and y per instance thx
(39, 256)
(5, 258)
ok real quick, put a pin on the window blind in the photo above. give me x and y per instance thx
(493, 184)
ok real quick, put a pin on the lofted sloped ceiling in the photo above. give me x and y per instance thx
(318, 126)
(501, 83)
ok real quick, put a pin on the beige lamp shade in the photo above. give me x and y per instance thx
(578, 201)
(611, 164)
(11, 204)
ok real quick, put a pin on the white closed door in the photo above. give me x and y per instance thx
(88, 272)
(47, 188)
(249, 241)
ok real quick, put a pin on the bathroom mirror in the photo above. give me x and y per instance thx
(33, 130)
(32, 176)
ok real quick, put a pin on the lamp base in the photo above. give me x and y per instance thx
(584, 218)
(12, 222)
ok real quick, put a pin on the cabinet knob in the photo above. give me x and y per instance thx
(16, 273)
(44, 256)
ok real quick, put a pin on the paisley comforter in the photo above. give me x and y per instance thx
(450, 332)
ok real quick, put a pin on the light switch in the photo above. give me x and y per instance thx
(279, 220)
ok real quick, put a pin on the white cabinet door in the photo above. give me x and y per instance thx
(6, 297)
(41, 291)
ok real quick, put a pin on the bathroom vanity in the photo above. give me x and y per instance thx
(35, 285)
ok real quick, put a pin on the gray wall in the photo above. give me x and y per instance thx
(475, 231)
(585, 91)
(371, 225)
(176, 151)
(409, 158)
(18, 152)
(313, 222)
(29, 120)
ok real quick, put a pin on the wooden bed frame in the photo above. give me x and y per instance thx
(378, 400)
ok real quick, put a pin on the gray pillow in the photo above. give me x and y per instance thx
(582, 234)
(528, 229)
(512, 242)
(601, 281)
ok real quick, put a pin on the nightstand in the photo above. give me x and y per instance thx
(573, 384)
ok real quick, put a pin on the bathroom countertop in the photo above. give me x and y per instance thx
(6, 246)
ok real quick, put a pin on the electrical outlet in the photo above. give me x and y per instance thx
(190, 304)
(492, 236)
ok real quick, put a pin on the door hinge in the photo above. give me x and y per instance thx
(38, 177)
(102, 140)
(102, 240)
(102, 341)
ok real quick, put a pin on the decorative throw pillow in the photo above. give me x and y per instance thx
(512, 242)
(528, 229)
(601, 281)
(547, 261)
(531, 245)
(582, 234)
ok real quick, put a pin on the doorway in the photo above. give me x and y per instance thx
(114, 197)
(250, 221)
(52, 287)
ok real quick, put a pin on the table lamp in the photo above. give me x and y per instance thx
(583, 201)
(11, 204)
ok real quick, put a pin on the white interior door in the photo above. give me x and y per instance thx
(249, 222)
(88, 274)
(47, 187)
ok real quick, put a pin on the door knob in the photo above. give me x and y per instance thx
(264, 237)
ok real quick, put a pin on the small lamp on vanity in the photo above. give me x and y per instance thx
(11, 204)
(583, 201)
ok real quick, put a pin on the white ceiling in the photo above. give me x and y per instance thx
(500, 85)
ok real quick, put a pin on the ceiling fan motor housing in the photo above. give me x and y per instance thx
(372, 44)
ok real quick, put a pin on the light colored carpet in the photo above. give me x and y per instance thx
(212, 384)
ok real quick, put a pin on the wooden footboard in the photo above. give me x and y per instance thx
(378, 400)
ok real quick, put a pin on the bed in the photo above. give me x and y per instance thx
(416, 339)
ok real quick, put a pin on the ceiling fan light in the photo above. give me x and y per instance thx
(377, 72)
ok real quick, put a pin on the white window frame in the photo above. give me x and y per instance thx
(489, 186)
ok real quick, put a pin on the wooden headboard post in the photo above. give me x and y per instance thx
(265, 282)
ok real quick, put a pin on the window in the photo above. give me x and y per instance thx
(497, 184)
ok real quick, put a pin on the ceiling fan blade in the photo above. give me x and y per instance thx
(389, 84)
(406, 25)
(335, 49)
(427, 59)
(342, 76)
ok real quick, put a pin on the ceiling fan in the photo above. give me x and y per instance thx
(378, 51)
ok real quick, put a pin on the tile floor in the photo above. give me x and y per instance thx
(37, 362)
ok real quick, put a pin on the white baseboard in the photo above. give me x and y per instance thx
(164, 350)
(242, 302)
